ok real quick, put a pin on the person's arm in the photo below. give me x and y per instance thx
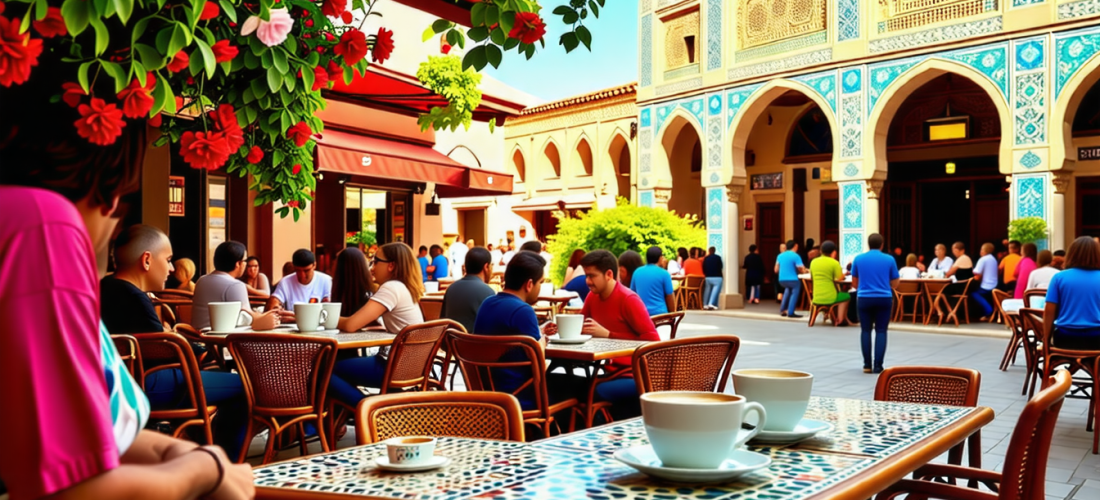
(1050, 311)
(369, 313)
(894, 282)
(265, 284)
(951, 272)
(855, 283)
(638, 319)
(670, 302)
(274, 302)
(670, 293)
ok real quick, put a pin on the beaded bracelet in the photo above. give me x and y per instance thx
(221, 470)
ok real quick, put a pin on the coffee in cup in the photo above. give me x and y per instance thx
(309, 316)
(410, 450)
(697, 430)
(785, 394)
(569, 325)
(332, 312)
(226, 316)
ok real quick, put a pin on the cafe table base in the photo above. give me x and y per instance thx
(872, 445)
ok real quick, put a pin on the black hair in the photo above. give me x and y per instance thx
(436, 247)
(682, 253)
(712, 250)
(653, 255)
(752, 248)
(628, 261)
(532, 246)
(791, 244)
(352, 282)
(476, 259)
(228, 254)
(603, 261)
(423, 248)
(828, 247)
(303, 258)
(874, 242)
(524, 267)
(1059, 253)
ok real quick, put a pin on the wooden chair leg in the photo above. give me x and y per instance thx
(974, 443)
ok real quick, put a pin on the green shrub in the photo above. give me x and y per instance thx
(625, 227)
(1027, 229)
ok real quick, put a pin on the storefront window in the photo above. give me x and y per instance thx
(366, 217)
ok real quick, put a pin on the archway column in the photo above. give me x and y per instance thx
(1061, 181)
(859, 215)
(729, 239)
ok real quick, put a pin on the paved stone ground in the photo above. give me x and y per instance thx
(833, 356)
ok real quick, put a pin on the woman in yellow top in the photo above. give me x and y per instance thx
(825, 271)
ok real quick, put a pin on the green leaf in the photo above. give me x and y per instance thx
(570, 41)
(286, 96)
(124, 8)
(102, 36)
(290, 82)
(492, 15)
(75, 14)
(284, 125)
(492, 125)
(477, 14)
(120, 75)
(278, 156)
(510, 43)
(529, 52)
(228, 9)
(507, 21)
(594, 8)
(169, 96)
(349, 75)
(149, 56)
(561, 10)
(479, 33)
(494, 55)
(178, 40)
(441, 25)
(137, 70)
(251, 113)
(41, 8)
(429, 32)
(274, 79)
(195, 66)
(585, 37)
(210, 63)
(250, 60)
(296, 213)
(308, 79)
(82, 75)
(452, 37)
(498, 37)
(570, 17)
(475, 58)
(279, 59)
(159, 95)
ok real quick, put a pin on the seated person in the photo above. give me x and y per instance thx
(910, 271)
(613, 311)
(653, 284)
(825, 271)
(225, 285)
(1071, 317)
(306, 285)
(255, 281)
(464, 297)
(510, 313)
(143, 256)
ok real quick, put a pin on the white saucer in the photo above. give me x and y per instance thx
(383, 462)
(805, 429)
(739, 463)
(579, 340)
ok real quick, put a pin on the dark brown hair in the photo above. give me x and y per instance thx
(352, 283)
(1083, 253)
(630, 261)
(1029, 250)
(406, 269)
(1044, 259)
(575, 258)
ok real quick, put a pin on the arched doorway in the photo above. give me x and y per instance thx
(1084, 140)
(519, 166)
(944, 180)
(619, 153)
(684, 153)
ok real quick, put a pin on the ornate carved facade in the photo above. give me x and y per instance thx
(900, 15)
(682, 40)
(765, 21)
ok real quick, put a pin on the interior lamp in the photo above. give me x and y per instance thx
(950, 167)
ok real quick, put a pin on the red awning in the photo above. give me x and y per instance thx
(389, 159)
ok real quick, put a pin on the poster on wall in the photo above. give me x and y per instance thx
(767, 181)
(175, 196)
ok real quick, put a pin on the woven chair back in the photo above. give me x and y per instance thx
(1025, 465)
(412, 354)
(284, 374)
(687, 364)
(169, 350)
(936, 385)
(467, 414)
(671, 319)
(480, 356)
(130, 353)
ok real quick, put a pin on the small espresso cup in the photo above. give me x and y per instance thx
(785, 394)
(226, 316)
(410, 450)
(569, 325)
(309, 316)
(697, 430)
(332, 312)
(431, 286)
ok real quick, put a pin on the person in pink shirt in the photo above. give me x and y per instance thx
(73, 416)
(1024, 269)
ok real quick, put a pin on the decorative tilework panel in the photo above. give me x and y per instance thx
(851, 128)
(853, 246)
(691, 69)
(694, 107)
(645, 162)
(1030, 109)
(852, 201)
(645, 198)
(714, 105)
(937, 35)
(851, 80)
(714, 142)
(646, 52)
(858, 424)
(1030, 196)
(782, 47)
(797, 61)
(1030, 54)
(1073, 50)
(882, 75)
(714, 34)
(1025, 3)
(645, 6)
(990, 60)
(737, 98)
(714, 208)
(847, 20)
(715, 240)
(600, 345)
(714, 177)
(646, 117)
(1030, 160)
(851, 170)
(680, 86)
(1083, 8)
(824, 84)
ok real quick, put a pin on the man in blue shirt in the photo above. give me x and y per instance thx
(985, 272)
(510, 313)
(788, 265)
(439, 267)
(874, 276)
(653, 284)
(424, 262)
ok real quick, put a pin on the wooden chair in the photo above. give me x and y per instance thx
(806, 301)
(171, 351)
(1052, 357)
(962, 299)
(174, 295)
(480, 356)
(1024, 474)
(671, 320)
(831, 312)
(285, 378)
(431, 308)
(693, 291)
(939, 386)
(212, 357)
(478, 415)
(258, 300)
(909, 289)
(998, 311)
(130, 353)
(939, 301)
(1031, 293)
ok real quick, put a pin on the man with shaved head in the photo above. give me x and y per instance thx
(143, 261)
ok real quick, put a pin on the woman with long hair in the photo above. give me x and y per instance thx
(352, 283)
(1024, 268)
(574, 268)
(676, 266)
(628, 262)
(397, 303)
(1071, 318)
(184, 274)
(255, 281)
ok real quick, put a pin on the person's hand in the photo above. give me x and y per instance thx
(591, 327)
(550, 328)
(267, 321)
(237, 483)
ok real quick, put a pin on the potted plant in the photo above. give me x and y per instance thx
(1028, 230)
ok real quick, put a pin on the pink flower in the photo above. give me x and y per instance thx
(273, 32)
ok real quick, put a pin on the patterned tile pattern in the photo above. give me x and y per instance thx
(851, 170)
(858, 425)
(645, 144)
(694, 107)
(1030, 108)
(1030, 54)
(781, 47)
(714, 132)
(1072, 50)
(853, 246)
(1030, 160)
(824, 84)
(735, 99)
(1083, 8)
(1025, 3)
(596, 346)
(851, 80)
(937, 35)
(797, 61)
(851, 199)
(645, 198)
(646, 117)
(645, 79)
(847, 20)
(1030, 195)
(680, 86)
(851, 128)
(715, 240)
(990, 60)
(714, 208)
(714, 34)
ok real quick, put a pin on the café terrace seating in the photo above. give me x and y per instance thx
(471, 414)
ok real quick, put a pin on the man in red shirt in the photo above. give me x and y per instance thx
(614, 311)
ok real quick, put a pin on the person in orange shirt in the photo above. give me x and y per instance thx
(694, 265)
(1008, 266)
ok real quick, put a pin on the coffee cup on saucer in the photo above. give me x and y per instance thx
(226, 316)
(569, 325)
(785, 394)
(309, 317)
(332, 312)
(697, 430)
(410, 450)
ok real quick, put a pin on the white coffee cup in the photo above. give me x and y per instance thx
(697, 430)
(431, 286)
(785, 394)
(227, 316)
(332, 314)
(569, 325)
(309, 316)
(546, 290)
(410, 450)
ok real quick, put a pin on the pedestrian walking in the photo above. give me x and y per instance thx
(874, 276)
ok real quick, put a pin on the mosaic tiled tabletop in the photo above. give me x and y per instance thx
(595, 349)
(580, 465)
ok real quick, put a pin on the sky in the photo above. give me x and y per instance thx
(552, 74)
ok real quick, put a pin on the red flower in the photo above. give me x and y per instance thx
(210, 10)
(320, 78)
(383, 46)
(72, 94)
(223, 52)
(137, 100)
(292, 203)
(52, 25)
(444, 47)
(329, 37)
(18, 52)
(100, 123)
(353, 46)
(204, 150)
(333, 8)
(309, 23)
(296, 170)
(255, 155)
(179, 62)
(529, 28)
(1, 7)
(347, 17)
(225, 117)
(299, 133)
(155, 121)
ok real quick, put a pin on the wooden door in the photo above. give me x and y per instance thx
(769, 235)
(1088, 207)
